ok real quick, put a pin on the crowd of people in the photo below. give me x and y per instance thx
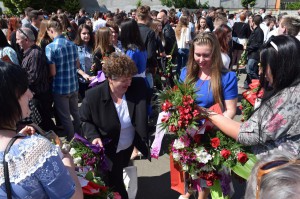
(49, 60)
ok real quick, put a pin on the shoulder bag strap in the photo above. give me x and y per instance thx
(5, 165)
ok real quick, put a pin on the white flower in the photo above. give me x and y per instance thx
(72, 151)
(176, 156)
(77, 160)
(185, 167)
(178, 144)
(66, 147)
(202, 155)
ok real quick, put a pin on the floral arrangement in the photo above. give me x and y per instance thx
(90, 162)
(199, 149)
(250, 97)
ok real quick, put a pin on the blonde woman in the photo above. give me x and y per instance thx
(213, 82)
(43, 38)
(183, 38)
(103, 48)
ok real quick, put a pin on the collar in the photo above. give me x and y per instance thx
(59, 36)
(35, 27)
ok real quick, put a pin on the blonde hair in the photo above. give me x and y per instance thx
(182, 24)
(207, 39)
(43, 33)
(102, 40)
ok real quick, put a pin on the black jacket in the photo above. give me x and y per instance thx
(255, 41)
(35, 32)
(148, 37)
(100, 118)
(240, 30)
(170, 39)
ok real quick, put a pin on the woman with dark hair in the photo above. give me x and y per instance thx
(275, 123)
(85, 44)
(223, 34)
(7, 53)
(36, 167)
(114, 116)
(133, 45)
(68, 30)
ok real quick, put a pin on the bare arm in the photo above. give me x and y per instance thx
(230, 108)
(52, 69)
(226, 125)
(68, 162)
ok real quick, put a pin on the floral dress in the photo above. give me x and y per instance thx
(36, 171)
(275, 125)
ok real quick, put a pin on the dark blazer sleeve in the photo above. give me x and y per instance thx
(87, 124)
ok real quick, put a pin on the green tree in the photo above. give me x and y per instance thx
(139, 3)
(246, 3)
(17, 6)
(179, 3)
(293, 6)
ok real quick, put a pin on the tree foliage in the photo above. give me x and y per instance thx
(180, 3)
(17, 6)
(293, 6)
(246, 3)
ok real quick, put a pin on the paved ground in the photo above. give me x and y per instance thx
(154, 177)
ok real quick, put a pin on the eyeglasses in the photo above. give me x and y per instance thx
(268, 168)
(23, 33)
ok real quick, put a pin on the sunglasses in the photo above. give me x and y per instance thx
(268, 168)
(23, 33)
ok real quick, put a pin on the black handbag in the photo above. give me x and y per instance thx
(5, 165)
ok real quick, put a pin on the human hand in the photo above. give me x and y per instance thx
(91, 78)
(27, 130)
(97, 141)
(86, 77)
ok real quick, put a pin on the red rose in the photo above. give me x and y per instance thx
(242, 157)
(165, 118)
(241, 107)
(179, 123)
(215, 142)
(209, 183)
(166, 105)
(172, 128)
(225, 153)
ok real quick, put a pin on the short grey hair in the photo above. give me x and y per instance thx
(28, 34)
(280, 184)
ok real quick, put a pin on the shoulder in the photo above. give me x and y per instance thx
(228, 76)
(183, 74)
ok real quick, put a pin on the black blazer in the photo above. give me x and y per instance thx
(35, 32)
(100, 119)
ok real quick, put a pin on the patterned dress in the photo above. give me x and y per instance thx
(275, 125)
(36, 171)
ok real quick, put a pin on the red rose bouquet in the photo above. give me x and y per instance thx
(199, 149)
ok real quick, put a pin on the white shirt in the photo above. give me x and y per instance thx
(127, 130)
(265, 29)
(100, 23)
(185, 38)
(226, 60)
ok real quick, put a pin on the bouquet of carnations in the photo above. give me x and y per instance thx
(90, 161)
(201, 150)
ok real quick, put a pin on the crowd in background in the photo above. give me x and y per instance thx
(62, 54)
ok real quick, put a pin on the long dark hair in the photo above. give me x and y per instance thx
(130, 35)
(14, 84)
(281, 54)
(78, 41)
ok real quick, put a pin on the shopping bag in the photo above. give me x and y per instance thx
(177, 177)
(130, 181)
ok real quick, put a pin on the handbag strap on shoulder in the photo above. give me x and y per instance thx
(5, 165)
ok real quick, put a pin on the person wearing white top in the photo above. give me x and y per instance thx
(100, 23)
(183, 38)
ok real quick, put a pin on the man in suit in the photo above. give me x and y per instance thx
(255, 41)
(36, 17)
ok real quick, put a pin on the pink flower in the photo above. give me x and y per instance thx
(185, 140)
(276, 122)
(278, 103)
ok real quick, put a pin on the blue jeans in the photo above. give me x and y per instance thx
(67, 105)
(182, 58)
(252, 72)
